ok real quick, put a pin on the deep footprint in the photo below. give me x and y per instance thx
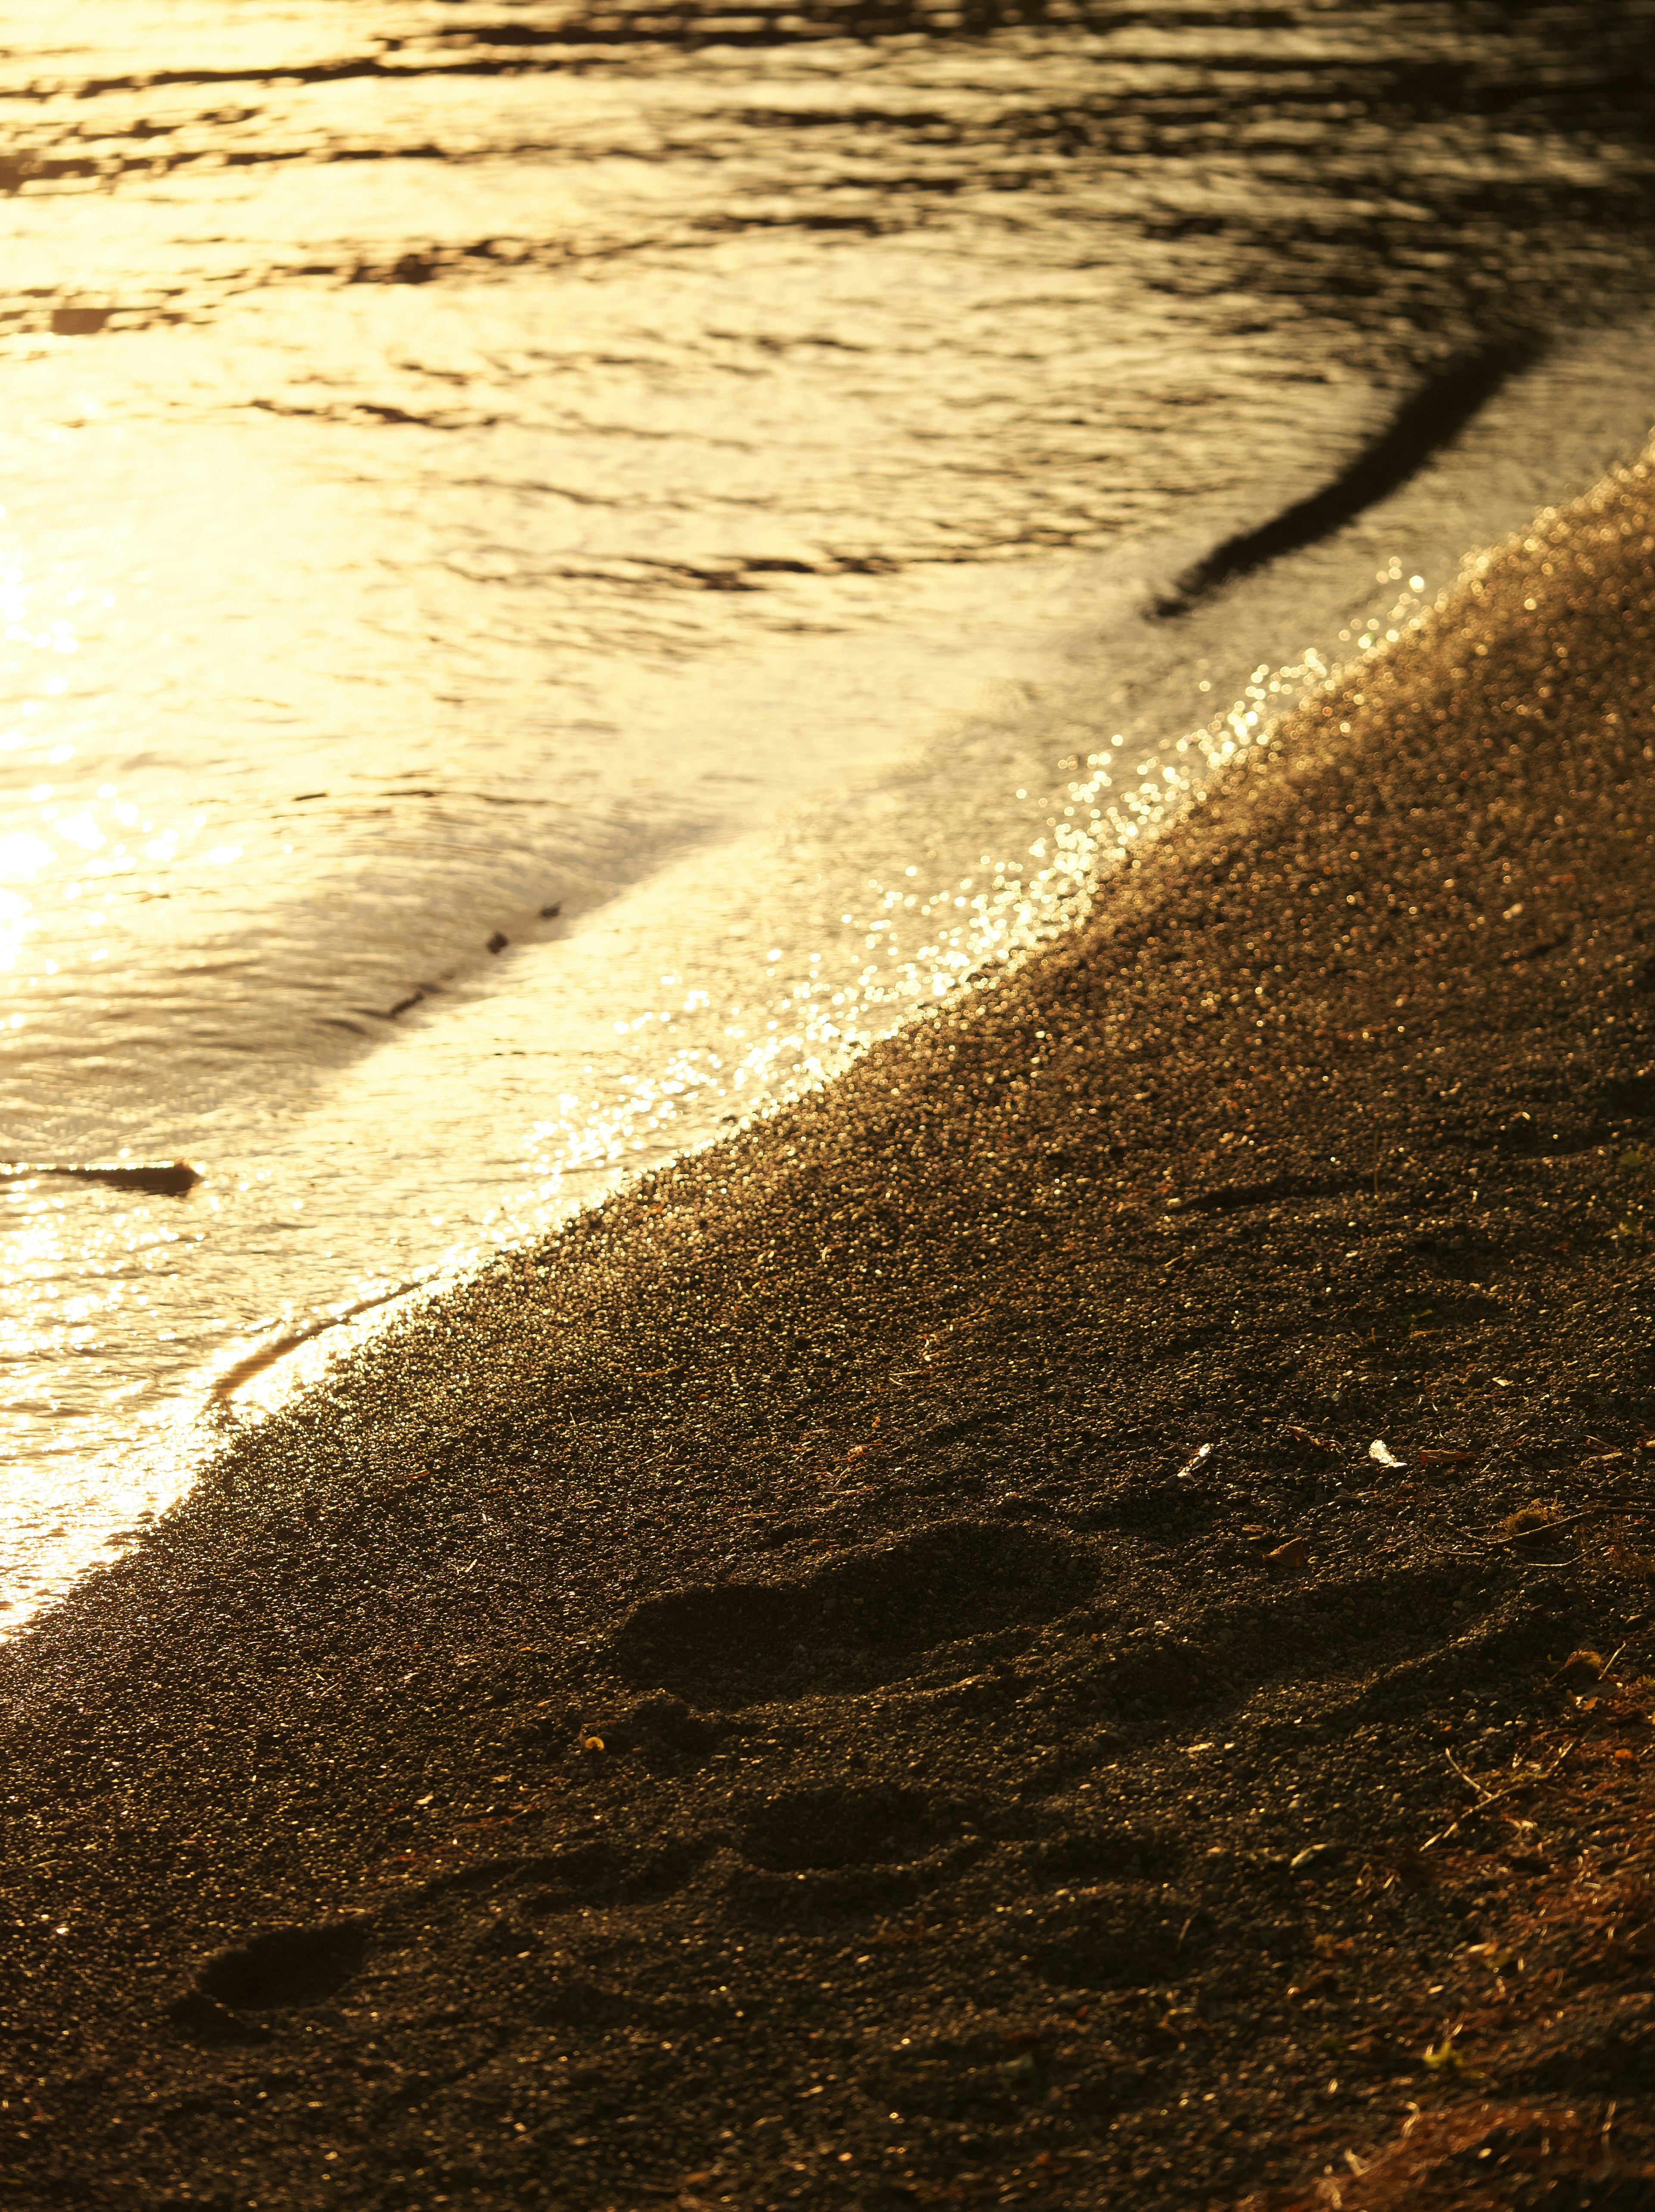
(285, 1966)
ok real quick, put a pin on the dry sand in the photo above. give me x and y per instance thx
(882, 1668)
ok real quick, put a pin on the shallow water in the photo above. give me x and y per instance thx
(684, 495)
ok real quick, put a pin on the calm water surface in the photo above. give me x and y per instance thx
(560, 570)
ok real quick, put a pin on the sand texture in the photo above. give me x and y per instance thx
(882, 1668)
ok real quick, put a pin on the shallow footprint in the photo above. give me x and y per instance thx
(810, 1829)
(857, 1621)
(844, 1848)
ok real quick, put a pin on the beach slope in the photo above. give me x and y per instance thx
(1064, 1618)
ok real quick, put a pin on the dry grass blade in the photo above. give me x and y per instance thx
(1531, 1781)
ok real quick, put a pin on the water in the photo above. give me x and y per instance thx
(683, 494)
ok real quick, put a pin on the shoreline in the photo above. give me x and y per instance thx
(993, 1793)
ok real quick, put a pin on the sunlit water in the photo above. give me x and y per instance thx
(560, 572)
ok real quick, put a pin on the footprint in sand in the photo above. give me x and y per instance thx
(858, 1621)
(282, 1969)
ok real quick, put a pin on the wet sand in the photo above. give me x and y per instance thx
(883, 1666)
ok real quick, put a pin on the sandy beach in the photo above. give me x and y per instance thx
(1064, 1620)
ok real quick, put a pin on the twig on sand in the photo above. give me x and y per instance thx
(1563, 1520)
(1601, 1666)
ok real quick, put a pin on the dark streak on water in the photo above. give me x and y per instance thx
(170, 1179)
(1426, 421)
